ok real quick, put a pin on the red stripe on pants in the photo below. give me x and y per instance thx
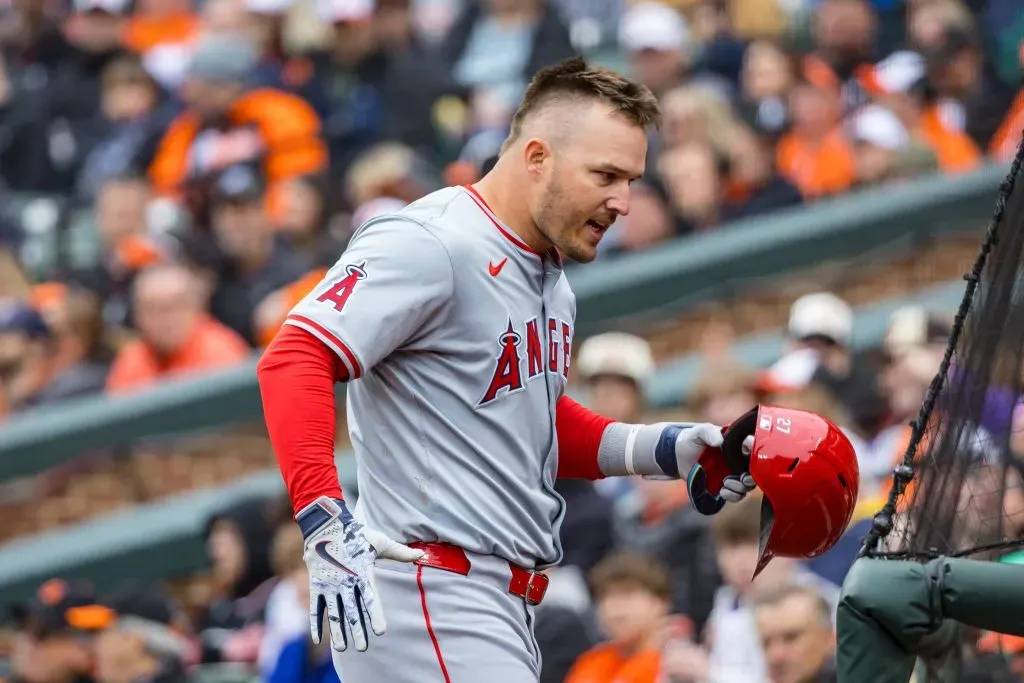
(430, 629)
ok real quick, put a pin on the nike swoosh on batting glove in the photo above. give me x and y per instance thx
(339, 554)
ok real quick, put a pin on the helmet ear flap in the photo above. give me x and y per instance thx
(732, 442)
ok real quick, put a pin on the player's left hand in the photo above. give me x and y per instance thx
(340, 554)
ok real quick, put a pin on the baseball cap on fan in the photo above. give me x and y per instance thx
(60, 608)
(337, 11)
(268, 7)
(821, 315)
(653, 26)
(616, 354)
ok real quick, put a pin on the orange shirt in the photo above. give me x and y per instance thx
(1003, 145)
(817, 168)
(282, 128)
(283, 301)
(955, 150)
(606, 664)
(210, 345)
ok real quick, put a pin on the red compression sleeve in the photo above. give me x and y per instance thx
(296, 376)
(579, 437)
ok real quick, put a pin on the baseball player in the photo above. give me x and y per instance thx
(452, 322)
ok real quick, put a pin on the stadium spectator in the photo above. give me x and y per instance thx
(816, 155)
(80, 357)
(58, 627)
(497, 46)
(658, 44)
(134, 112)
(765, 80)
(845, 50)
(734, 651)
(632, 595)
(25, 355)
(254, 261)
(238, 542)
(228, 122)
(124, 245)
(50, 89)
(795, 627)
(176, 335)
(144, 643)
(287, 615)
(298, 660)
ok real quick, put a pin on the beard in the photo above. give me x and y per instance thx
(555, 222)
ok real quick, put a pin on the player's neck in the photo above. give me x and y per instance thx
(512, 211)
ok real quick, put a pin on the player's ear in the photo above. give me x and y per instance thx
(536, 153)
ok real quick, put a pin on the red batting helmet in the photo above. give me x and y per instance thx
(807, 470)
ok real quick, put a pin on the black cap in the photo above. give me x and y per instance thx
(239, 183)
(145, 602)
(60, 608)
(18, 316)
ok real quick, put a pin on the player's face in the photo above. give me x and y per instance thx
(587, 184)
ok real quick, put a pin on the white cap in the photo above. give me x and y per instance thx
(109, 6)
(653, 26)
(878, 126)
(345, 10)
(899, 71)
(822, 314)
(272, 7)
(616, 353)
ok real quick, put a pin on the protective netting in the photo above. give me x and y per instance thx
(959, 490)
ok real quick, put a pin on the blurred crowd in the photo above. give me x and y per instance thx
(220, 153)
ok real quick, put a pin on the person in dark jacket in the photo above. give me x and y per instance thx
(238, 542)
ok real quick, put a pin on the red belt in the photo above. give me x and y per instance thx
(526, 584)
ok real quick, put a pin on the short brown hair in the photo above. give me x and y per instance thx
(738, 523)
(575, 79)
(126, 70)
(776, 595)
(630, 570)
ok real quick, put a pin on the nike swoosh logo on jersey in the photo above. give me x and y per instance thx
(495, 269)
(321, 549)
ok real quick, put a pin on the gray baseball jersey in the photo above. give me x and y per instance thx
(458, 336)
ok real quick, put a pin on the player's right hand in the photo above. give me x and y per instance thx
(339, 553)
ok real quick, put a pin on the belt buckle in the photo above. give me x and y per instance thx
(528, 593)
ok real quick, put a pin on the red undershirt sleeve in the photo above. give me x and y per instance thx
(579, 437)
(296, 378)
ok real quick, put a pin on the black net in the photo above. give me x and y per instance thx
(959, 489)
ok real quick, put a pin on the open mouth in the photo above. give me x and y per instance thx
(597, 227)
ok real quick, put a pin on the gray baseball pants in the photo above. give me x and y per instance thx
(443, 627)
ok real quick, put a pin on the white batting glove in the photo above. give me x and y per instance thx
(340, 554)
